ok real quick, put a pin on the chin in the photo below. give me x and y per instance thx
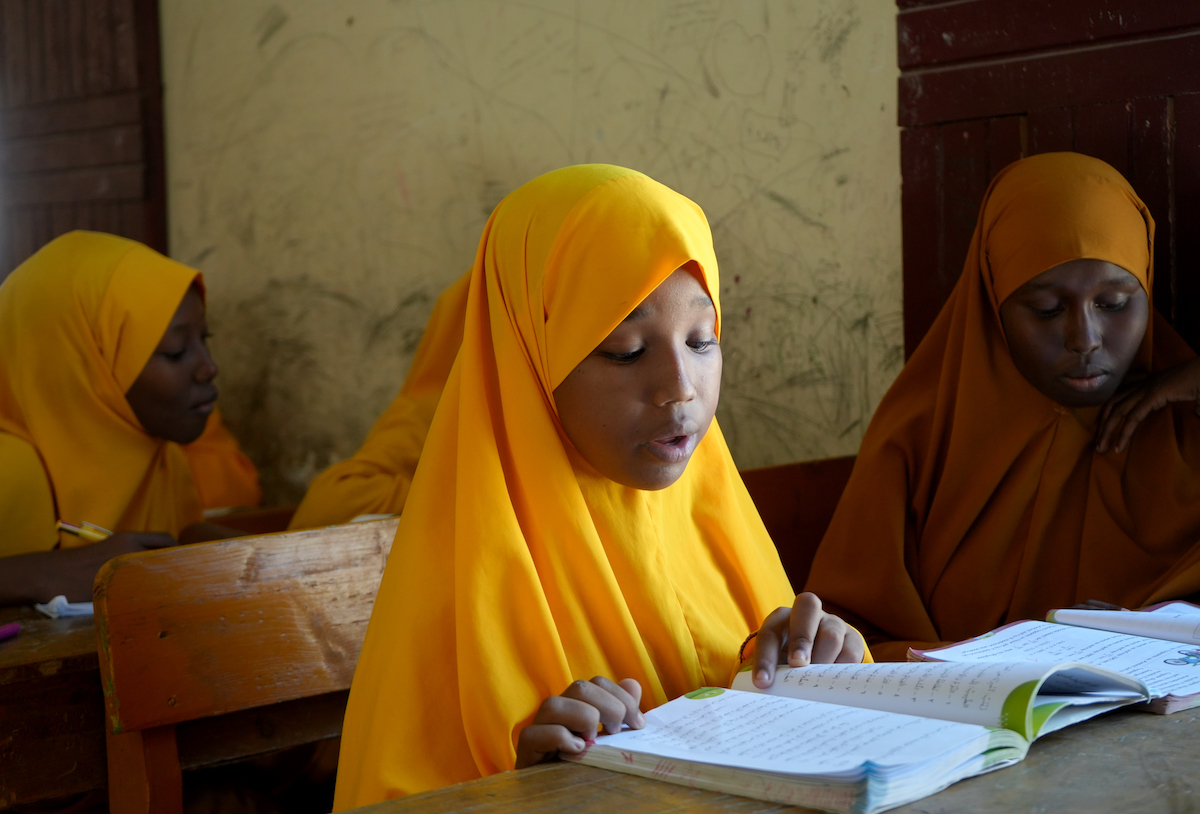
(188, 430)
(651, 480)
(1073, 400)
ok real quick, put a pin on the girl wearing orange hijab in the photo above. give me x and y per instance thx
(988, 488)
(106, 412)
(377, 479)
(576, 512)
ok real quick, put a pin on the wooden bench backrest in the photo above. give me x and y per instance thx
(203, 630)
(208, 629)
(796, 502)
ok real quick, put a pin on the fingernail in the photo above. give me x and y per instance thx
(799, 657)
(578, 744)
(761, 675)
(640, 720)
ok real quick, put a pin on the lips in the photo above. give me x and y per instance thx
(206, 403)
(674, 446)
(1085, 378)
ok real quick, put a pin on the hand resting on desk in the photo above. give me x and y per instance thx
(42, 575)
(564, 723)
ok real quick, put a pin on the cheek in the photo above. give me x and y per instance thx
(1128, 331)
(585, 409)
(710, 388)
(1034, 349)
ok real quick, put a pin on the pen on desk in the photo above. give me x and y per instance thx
(9, 630)
(88, 531)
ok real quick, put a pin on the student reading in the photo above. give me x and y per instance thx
(1035, 452)
(107, 413)
(576, 513)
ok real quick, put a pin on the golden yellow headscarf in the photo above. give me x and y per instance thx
(976, 500)
(516, 567)
(377, 479)
(78, 322)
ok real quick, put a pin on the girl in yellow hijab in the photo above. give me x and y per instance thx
(990, 487)
(106, 412)
(576, 512)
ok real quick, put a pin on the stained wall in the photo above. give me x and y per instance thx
(331, 165)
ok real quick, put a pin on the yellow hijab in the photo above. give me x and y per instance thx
(78, 322)
(975, 499)
(377, 479)
(517, 568)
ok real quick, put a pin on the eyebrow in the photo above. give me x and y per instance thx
(700, 301)
(1113, 280)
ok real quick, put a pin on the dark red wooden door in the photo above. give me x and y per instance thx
(984, 82)
(81, 143)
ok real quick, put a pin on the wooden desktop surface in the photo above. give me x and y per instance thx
(51, 709)
(1129, 762)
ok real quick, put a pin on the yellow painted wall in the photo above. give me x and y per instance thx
(332, 162)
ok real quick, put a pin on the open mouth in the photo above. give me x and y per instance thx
(673, 448)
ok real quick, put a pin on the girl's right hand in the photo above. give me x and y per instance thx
(567, 722)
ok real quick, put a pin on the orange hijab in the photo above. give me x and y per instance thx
(516, 567)
(975, 499)
(377, 479)
(78, 322)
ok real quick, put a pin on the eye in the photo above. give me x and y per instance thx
(175, 356)
(623, 357)
(702, 345)
(1046, 313)
(1112, 305)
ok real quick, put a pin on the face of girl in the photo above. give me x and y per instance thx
(1074, 330)
(174, 394)
(638, 405)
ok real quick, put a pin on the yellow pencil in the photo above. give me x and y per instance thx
(88, 531)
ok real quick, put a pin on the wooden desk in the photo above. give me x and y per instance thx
(52, 715)
(51, 709)
(1127, 761)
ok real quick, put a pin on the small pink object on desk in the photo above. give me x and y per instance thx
(9, 630)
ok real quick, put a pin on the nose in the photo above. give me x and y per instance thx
(673, 380)
(206, 367)
(1082, 332)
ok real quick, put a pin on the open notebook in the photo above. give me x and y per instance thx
(1159, 645)
(860, 737)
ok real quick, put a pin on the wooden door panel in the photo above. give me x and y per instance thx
(941, 32)
(1118, 80)
(80, 123)
(1185, 232)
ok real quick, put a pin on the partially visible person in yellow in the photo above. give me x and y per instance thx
(107, 413)
(1040, 448)
(377, 479)
(576, 517)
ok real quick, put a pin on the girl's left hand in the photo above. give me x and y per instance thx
(804, 634)
(1125, 411)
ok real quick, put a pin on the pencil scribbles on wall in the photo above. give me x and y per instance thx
(331, 169)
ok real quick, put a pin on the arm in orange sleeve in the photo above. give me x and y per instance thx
(224, 476)
(377, 478)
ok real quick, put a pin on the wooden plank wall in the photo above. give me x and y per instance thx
(984, 82)
(80, 123)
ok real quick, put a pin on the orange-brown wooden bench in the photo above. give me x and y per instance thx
(219, 652)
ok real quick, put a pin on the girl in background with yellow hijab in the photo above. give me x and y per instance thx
(106, 413)
(993, 483)
(576, 512)
(377, 479)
